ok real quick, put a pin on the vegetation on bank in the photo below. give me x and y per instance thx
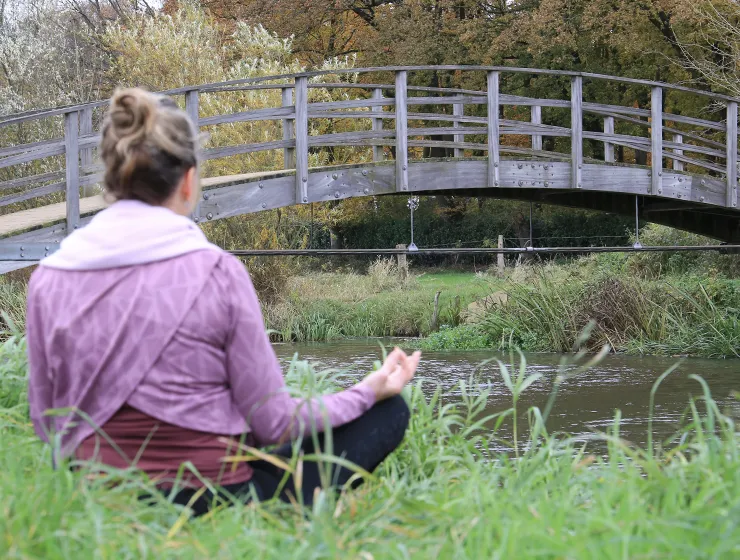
(443, 494)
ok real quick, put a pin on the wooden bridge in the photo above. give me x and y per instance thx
(398, 139)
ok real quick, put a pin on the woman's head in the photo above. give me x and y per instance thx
(149, 148)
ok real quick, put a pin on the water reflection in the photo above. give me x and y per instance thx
(585, 404)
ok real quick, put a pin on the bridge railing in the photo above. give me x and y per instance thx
(48, 156)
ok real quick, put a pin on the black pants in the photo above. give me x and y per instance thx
(364, 442)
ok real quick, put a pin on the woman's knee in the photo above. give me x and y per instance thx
(396, 411)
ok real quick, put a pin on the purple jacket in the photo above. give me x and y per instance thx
(180, 339)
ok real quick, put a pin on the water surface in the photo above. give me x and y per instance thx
(585, 404)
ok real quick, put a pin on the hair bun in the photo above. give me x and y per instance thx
(133, 113)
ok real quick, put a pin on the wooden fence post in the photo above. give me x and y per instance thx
(731, 154)
(458, 110)
(656, 136)
(677, 163)
(500, 257)
(288, 133)
(377, 123)
(576, 127)
(402, 146)
(403, 266)
(301, 139)
(72, 169)
(536, 119)
(86, 154)
(494, 155)
(608, 146)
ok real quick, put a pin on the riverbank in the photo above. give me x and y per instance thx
(441, 495)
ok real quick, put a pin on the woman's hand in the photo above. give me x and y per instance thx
(397, 370)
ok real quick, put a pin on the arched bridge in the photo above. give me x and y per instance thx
(321, 136)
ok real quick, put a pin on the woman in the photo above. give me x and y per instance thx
(145, 332)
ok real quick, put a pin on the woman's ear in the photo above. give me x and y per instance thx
(190, 188)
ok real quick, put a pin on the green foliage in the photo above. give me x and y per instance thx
(444, 493)
(463, 337)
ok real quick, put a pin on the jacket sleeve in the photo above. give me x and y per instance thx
(40, 385)
(256, 379)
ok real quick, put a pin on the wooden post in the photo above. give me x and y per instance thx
(192, 108)
(402, 147)
(537, 120)
(576, 127)
(288, 132)
(677, 164)
(500, 257)
(301, 139)
(731, 154)
(608, 146)
(86, 155)
(72, 169)
(403, 266)
(656, 135)
(377, 123)
(494, 155)
(458, 110)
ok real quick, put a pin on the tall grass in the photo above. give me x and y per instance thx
(548, 309)
(443, 494)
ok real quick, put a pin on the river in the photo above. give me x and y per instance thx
(585, 404)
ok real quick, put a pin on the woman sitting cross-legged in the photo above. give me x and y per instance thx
(147, 333)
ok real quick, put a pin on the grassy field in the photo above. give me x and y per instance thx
(326, 306)
(441, 495)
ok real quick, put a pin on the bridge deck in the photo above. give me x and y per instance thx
(53, 213)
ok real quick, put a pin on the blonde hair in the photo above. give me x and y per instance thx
(148, 144)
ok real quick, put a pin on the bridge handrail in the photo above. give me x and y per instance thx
(79, 138)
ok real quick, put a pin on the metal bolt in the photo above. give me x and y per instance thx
(336, 194)
(206, 196)
(262, 185)
(660, 173)
(46, 248)
(334, 175)
(679, 195)
(264, 205)
(21, 247)
(519, 166)
(22, 255)
(305, 199)
(701, 199)
(405, 167)
(579, 185)
(580, 166)
(305, 179)
(405, 187)
(703, 182)
(495, 164)
(521, 183)
(734, 203)
(547, 167)
(533, 166)
(547, 183)
(196, 219)
(364, 172)
(366, 191)
(209, 216)
(660, 191)
(496, 184)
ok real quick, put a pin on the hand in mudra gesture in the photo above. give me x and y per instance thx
(395, 373)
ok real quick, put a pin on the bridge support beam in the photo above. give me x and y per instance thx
(301, 139)
(536, 118)
(656, 136)
(576, 126)
(608, 146)
(402, 132)
(494, 153)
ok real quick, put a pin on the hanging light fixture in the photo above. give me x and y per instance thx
(413, 204)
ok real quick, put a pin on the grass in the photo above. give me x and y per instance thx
(547, 307)
(329, 306)
(441, 495)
